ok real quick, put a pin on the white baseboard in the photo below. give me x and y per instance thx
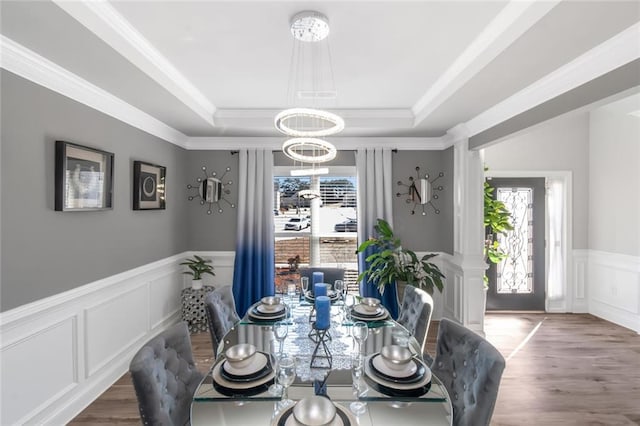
(60, 353)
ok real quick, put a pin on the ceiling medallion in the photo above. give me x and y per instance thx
(321, 150)
(309, 26)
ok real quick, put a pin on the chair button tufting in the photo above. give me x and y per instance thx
(464, 362)
(454, 374)
(455, 396)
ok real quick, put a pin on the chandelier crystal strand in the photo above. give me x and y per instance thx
(305, 122)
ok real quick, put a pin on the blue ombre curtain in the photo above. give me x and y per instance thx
(375, 200)
(253, 272)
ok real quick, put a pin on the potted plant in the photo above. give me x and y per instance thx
(390, 263)
(294, 263)
(497, 220)
(198, 267)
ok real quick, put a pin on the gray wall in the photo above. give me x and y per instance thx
(45, 252)
(216, 231)
(432, 232)
(614, 182)
(560, 144)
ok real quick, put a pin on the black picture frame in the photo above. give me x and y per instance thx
(149, 192)
(83, 178)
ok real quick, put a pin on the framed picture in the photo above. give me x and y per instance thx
(148, 186)
(84, 178)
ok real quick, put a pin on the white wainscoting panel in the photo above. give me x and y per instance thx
(48, 360)
(614, 288)
(164, 297)
(60, 353)
(578, 288)
(109, 331)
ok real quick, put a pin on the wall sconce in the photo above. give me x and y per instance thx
(212, 190)
(420, 191)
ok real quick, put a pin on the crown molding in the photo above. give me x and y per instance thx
(110, 26)
(354, 118)
(512, 21)
(33, 67)
(343, 144)
(606, 57)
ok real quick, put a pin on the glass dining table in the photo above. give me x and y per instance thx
(212, 405)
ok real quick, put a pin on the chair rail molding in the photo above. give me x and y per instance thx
(60, 353)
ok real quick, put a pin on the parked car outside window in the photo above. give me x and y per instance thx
(297, 224)
(350, 225)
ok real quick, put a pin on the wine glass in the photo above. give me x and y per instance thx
(280, 329)
(349, 301)
(358, 407)
(360, 331)
(275, 389)
(291, 293)
(338, 286)
(286, 374)
(304, 281)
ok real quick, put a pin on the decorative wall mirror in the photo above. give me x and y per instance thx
(421, 191)
(212, 190)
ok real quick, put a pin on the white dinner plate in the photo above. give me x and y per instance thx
(360, 309)
(217, 377)
(270, 309)
(381, 366)
(258, 363)
(402, 386)
(384, 315)
(330, 293)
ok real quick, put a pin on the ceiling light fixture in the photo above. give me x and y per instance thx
(310, 83)
(320, 150)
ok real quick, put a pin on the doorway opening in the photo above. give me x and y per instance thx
(557, 239)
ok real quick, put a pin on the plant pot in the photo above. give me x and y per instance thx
(196, 284)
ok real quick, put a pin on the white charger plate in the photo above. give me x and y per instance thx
(379, 363)
(258, 362)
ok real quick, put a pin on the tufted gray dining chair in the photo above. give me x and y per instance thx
(471, 369)
(415, 313)
(221, 314)
(165, 377)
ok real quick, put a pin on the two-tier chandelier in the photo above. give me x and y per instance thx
(310, 86)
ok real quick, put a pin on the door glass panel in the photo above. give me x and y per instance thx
(515, 272)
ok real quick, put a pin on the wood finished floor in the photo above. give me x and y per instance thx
(562, 369)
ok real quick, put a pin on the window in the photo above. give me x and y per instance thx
(322, 230)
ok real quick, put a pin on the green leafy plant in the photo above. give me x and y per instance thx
(198, 267)
(497, 220)
(390, 262)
